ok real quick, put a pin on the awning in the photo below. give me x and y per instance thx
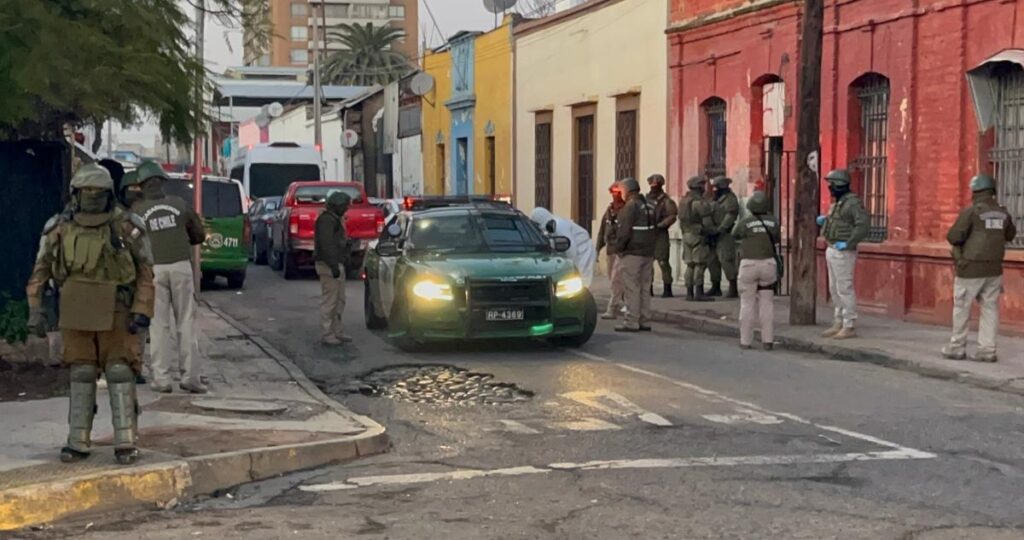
(982, 80)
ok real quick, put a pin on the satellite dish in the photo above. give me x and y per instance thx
(421, 84)
(275, 109)
(499, 6)
(349, 139)
(262, 120)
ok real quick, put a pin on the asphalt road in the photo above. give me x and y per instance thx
(668, 435)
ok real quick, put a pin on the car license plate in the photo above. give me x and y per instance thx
(504, 315)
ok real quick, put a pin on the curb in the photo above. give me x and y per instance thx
(711, 326)
(165, 485)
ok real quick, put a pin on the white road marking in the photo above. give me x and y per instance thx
(743, 416)
(715, 397)
(616, 405)
(585, 424)
(513, 426)
(621, 464)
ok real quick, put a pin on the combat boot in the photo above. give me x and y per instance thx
(833, 330)
(667, 291)
(689, 293)
(986, 357)
(700, 296)
(734, 290)
(846, 332)
(123, 411)
(950, 352)
(716, 289)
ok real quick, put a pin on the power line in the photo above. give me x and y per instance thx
(430, 12)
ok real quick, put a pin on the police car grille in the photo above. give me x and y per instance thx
(509, 293)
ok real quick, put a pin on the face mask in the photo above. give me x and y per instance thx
(656, 189)
(152, 190)
(838, 191)
(132, 196)
(93, 203)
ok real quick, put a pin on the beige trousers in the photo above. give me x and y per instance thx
(986, 291)
(173, 340)
(841, 265)
(332, 300)
(618, 298)
(755, 275)
(637, 273)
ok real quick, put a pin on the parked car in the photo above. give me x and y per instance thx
(225, 253)
(471, 270)
(260, 218)
(293, 225)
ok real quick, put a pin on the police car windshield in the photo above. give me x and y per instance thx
(474, 234)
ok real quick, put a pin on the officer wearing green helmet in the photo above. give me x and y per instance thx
(695, 220)
(131, 189)
(330, 251)
(845, 226)
(634, 242)
(726, 210)
(757, 235)
(979, 238)
(99, 257)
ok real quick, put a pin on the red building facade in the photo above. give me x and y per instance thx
(917, 96)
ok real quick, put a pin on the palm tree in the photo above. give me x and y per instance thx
(367, 57)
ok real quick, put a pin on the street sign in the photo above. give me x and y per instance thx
(349, 139)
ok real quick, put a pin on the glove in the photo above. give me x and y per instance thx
(820, 221)
(37, 323)
(137, 322)
(841, 246)
(335, 271)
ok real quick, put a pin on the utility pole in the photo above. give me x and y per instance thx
(803, 298)
(317, 89)
(197, 174)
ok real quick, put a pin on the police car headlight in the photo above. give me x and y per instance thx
(432, 289)
(567, 288)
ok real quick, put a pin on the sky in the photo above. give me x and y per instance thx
(223, 46)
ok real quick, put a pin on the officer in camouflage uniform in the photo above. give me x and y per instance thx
(695, 220)
(634, 242)
(665, 215)
(845, 227)
(979, 239)
(723, 246)
(100, 258)
(606, 240)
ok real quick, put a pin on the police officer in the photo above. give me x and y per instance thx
(665, 215)
(757, 234)
(634, 242)
(845, 226)
(100, 258)
(131, 189)
(173, 229)
(606, 240)
(979, 238)
(723, 246)
(330, 251)
(695, 220)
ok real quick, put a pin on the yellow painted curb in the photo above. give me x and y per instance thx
(157, 485)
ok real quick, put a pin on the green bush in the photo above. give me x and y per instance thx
(13, 319)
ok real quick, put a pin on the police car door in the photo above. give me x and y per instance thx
(386, 272)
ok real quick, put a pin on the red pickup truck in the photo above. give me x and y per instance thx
(293, 226)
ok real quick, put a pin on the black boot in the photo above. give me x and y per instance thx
(652, 289)
(716, 289)
(734, 291)
(667, 291)
(689, 293)
(700, 296)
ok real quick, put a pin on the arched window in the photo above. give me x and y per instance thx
(1007, 154)
(715, 136)
(869, 122)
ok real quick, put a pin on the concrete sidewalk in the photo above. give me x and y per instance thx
(888, 342)
(262, 418)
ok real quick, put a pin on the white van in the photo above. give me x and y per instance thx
(266, 170)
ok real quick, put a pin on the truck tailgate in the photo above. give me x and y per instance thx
(363, 222)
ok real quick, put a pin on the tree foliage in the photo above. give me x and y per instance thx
(88, 61)
(367, 57)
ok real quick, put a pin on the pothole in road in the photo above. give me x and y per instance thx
(436, 385)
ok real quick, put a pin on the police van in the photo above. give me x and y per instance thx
(266, 170)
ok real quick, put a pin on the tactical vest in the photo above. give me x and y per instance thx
(837, 227)
(644, 227)
(165, 220)
(692, 218)
(987, 241)
(91, 263)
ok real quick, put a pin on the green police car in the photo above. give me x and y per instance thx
(457, 269)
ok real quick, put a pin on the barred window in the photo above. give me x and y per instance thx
(715, 137)
(1007, 154)
(870, 164)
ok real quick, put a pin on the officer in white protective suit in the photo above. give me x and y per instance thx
(581, 249)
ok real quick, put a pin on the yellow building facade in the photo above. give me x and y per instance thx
(467, 117)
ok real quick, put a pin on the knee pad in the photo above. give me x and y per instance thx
(83, 373)
(119, 372)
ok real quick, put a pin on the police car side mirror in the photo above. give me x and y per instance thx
(394, 230)
(560, 244)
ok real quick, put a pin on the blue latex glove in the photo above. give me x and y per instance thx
(820, 221)
(841, 246)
